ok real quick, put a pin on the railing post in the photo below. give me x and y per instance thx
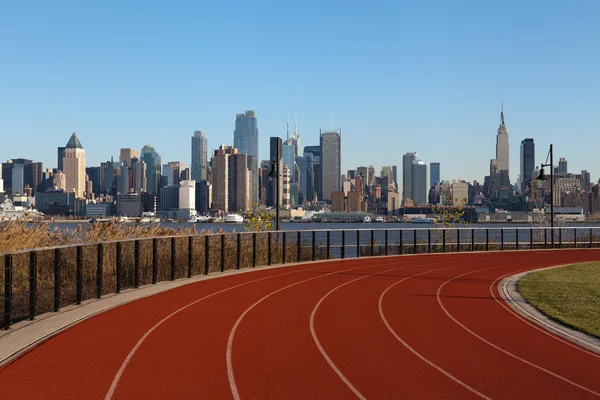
(560, 238)
(285, 244)
(328, 243)
(343, 244)
(99, 270)
(239, 251)
(314, 245)
(57, 278)
(487, 240)
(136, 264)
(531, 239)
(443, 240)
(386, 243)
(173, 257)
(415, 248)
(357, 243)
(429, 240)
(372, 242)
(254, 250)
(222, 252)
(118, 267)
(400, 243)
(206, 254)
(268, 248)
(472, 239)
(545, 238)
(32, 285)
(79, 274)
(8, 275)
(190, 255)
(575, 237)
(516, 239)
(154, 260)
(591, 239)
(457, 240)
(299, 246)
(501, 239)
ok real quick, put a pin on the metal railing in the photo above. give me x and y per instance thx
(44, 280)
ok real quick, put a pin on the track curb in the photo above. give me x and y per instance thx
(508, 290)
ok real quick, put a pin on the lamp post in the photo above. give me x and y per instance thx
(543, 177)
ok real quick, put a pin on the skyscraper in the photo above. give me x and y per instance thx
(288, 155)
(231, 180)
(153, 164)
(199, 157)
(395, 176)
(275, 146)
(419, 183)
(74, 166)
(314, 152)
(60, 157)
(502, 149)
(407, 175)
(434, 173)
(331, 162)
(527, 163)
(127, 154)
(245, 139)
(562, 165)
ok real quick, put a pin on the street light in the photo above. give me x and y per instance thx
(543, 177)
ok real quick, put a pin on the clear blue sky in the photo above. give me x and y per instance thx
(397, 77)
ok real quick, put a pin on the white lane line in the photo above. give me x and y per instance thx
(415, 352)
(228, 354)
(439, 299)
(315, 337)
(501, 301)
(127, 360)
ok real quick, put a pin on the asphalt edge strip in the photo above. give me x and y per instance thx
(508, 290)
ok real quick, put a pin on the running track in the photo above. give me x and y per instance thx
(429, 326)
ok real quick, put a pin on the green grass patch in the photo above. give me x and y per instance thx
(568, 294)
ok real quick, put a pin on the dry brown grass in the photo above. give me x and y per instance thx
(15, 235)
(223, 255)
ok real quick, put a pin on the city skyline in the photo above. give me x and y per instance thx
(165, 82)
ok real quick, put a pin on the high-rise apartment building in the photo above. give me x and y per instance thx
(331, 163)
(434, 173)
(74, 166)
(527, 163)
(126, 155)
(407, 175)
(460, 193)
(502, 147)
(199, 169)
(419, 183)
(245, 139)
(187, 195)
(231, 180)
(138, 176)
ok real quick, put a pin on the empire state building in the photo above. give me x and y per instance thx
(502, 152)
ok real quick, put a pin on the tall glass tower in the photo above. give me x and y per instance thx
(153, 163)
(199, 157)
(245, 139)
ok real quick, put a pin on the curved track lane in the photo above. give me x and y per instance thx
(430, 326)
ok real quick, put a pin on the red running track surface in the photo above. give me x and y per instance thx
(430, 326)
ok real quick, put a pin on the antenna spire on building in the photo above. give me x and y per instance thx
(288, 127)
